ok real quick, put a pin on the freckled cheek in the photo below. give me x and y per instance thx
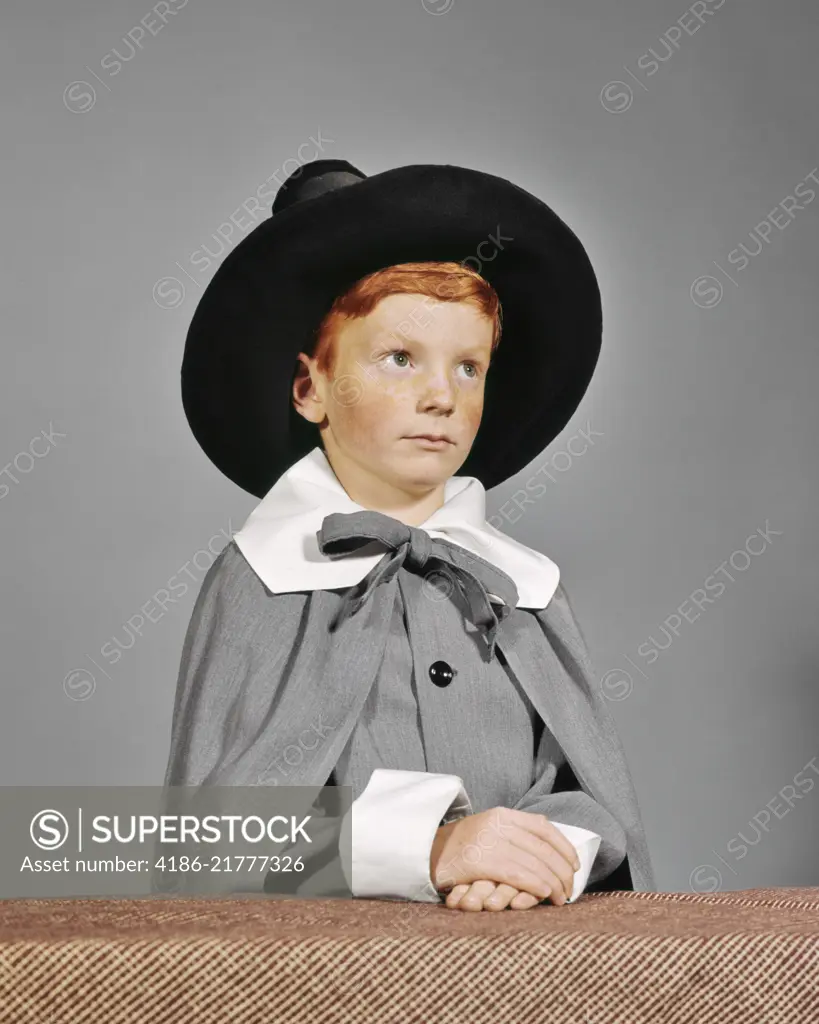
(372, 413)
(473, 411)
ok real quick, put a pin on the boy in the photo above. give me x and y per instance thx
(367, 586)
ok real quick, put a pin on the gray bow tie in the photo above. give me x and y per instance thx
(344, 532)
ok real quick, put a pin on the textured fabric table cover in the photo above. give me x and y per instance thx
(628, 957)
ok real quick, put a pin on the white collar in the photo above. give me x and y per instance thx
(279, 538)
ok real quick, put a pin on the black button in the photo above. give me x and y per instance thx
(441, 673)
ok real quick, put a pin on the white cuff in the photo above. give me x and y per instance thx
(393, 825)
(587, 843)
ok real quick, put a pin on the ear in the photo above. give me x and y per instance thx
(306, 398)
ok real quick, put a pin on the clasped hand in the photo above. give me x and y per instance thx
(502, 858)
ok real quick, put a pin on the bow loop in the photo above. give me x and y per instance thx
(342, 534)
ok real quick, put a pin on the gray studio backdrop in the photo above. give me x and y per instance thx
(681, 502)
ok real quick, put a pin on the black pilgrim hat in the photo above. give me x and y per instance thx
(331, 225)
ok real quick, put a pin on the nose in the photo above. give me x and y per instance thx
(437, 392)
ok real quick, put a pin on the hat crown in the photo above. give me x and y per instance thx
(314, 179)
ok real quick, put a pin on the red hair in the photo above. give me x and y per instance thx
(442, 281)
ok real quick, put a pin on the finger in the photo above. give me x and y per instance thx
(525, 864)
(455, 894)
(502, 897)
(548, 855)
(478, 892)
(524, 901)
(540, 826)
(517, 866)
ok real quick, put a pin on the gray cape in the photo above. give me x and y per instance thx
(260, 671)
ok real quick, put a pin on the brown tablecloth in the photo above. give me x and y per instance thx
(621, 957)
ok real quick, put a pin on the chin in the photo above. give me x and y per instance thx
(426, 470)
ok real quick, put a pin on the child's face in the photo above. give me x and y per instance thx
(412, 366)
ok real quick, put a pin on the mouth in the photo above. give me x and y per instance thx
(431, 440)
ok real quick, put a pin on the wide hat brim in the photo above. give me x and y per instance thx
(263, 305)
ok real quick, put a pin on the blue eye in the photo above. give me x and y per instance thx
(402, 353)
